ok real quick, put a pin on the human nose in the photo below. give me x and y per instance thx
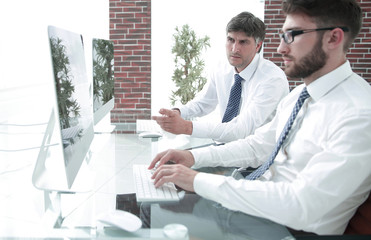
(282, 48)
(235, 47)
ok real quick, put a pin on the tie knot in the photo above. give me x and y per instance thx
(237, 78)
(304, 94)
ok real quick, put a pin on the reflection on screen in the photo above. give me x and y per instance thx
(73, 92)
(103, 78)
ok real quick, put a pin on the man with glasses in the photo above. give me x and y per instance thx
(315, 154)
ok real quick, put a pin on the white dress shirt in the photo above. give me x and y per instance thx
(322, 173)
(264, 85)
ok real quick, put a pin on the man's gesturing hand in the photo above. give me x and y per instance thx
(171, 121)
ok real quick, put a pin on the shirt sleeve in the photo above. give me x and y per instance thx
(203, 103)
(339, 173)
(259, 110)
(249, 152)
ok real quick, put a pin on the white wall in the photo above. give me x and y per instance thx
(25, 63)
(205, 17)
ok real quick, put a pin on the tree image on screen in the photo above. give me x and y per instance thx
(68, 107)
(103, 73)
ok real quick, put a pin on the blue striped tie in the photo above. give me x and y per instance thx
(264, 167)
(234, 100)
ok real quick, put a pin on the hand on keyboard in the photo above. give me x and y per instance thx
(182, 176)
(145, 189)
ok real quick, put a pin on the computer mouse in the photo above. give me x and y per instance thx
(121, 219)
(150, 134)
(176, 231)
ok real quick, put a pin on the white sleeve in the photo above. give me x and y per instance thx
(249, 152)
(259, 110)
(203, 103)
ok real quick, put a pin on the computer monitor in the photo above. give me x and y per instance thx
(70, 132)
(61, 166)
(103, 81)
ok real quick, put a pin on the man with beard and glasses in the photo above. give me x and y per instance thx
(314, 176)
(261, 85)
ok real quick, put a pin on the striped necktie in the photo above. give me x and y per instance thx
(234, 100)
(264, 167)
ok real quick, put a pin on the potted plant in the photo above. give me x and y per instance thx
(189, 66)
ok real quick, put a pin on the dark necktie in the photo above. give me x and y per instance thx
(234, 100)
(264, 167)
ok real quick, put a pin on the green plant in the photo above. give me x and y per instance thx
(187, 75)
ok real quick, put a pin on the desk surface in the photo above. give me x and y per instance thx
(21, 208)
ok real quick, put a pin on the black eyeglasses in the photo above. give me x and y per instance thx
(288, 36)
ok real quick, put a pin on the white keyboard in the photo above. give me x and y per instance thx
(145, 189)
(145, 125)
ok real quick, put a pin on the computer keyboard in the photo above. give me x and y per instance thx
(145, 125)
(145, 189)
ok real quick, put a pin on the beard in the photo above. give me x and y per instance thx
(310, 63)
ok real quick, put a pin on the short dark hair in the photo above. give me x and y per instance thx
(329, 13)
(249, 24)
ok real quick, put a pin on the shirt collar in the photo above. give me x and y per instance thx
(248, 72)
(326, 83)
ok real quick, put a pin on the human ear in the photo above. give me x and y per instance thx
(335, 38)
(259, 46)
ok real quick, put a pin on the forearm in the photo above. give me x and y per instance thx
(310, 200)
(235, 154)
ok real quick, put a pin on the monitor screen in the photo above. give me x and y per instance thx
(71, 120)
(103, 78)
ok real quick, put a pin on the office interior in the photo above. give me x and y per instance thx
(27, 103)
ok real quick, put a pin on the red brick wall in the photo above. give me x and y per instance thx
(130, 29)
(359, 55)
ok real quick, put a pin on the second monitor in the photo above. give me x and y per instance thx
(103, 81)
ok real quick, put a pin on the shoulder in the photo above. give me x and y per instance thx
(220, 70)
(269, 69)
(354, 93)
(269, 73)
(271, 66)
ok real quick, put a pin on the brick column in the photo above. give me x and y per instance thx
(130, 29)
(359, 55)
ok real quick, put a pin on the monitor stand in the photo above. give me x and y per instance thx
(49, 176)
(52, 217)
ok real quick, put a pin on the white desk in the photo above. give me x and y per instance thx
(21, 204)
(22, 207)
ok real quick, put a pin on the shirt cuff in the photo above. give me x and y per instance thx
(200, 157)
(206, 185)
(183, 111)
(200, 129)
